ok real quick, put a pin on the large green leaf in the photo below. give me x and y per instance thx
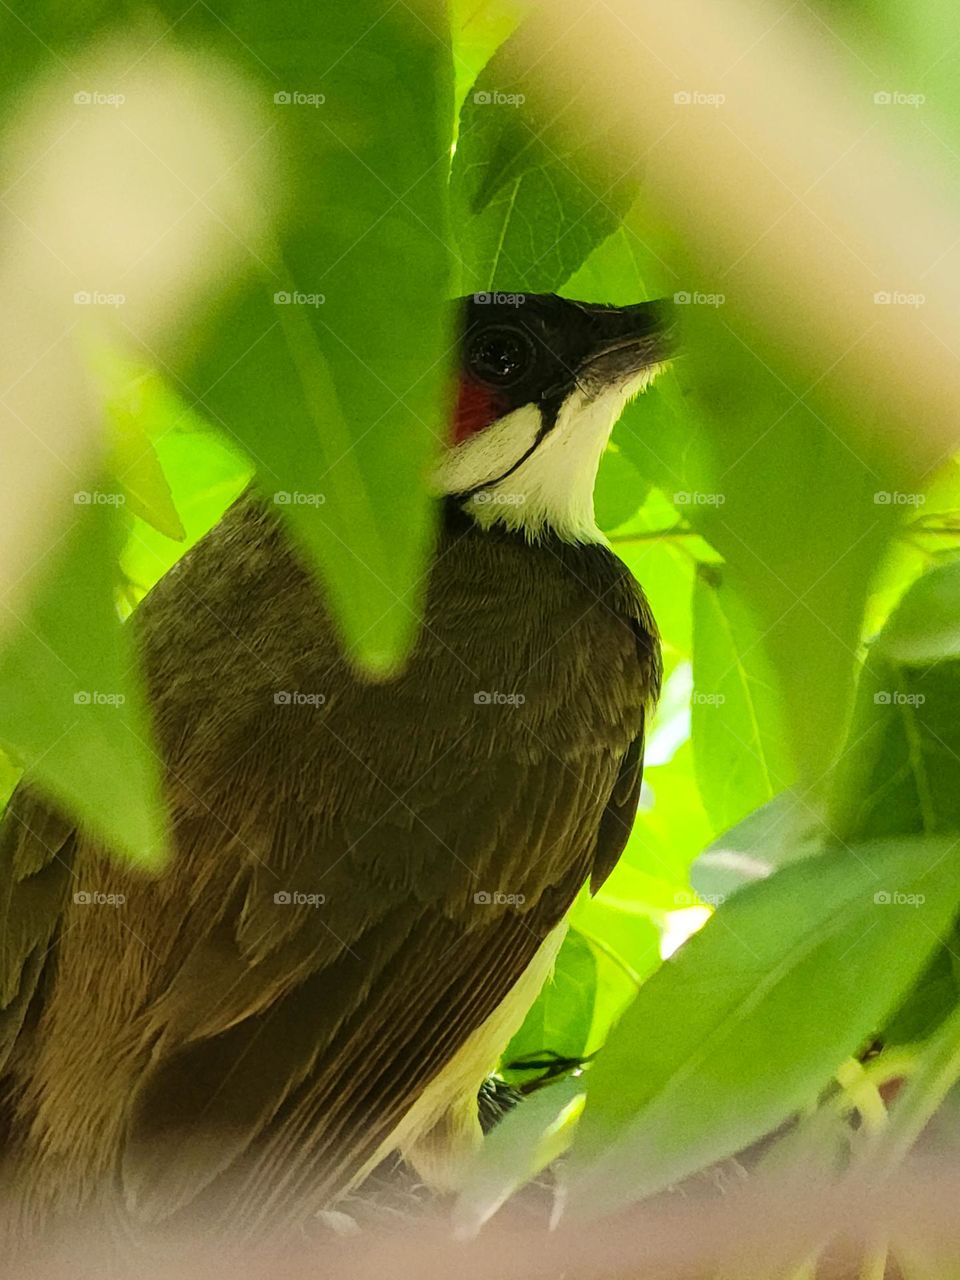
(330, 364)
(750, 1019)
(738, 741)
(530, 201)
(73, 706)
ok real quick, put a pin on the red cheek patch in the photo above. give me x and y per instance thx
(477, 407)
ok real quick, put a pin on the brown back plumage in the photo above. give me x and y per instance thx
(207, 1047)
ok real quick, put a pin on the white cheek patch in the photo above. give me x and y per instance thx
(490, 453)
(552, 491)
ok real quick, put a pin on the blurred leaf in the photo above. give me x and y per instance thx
(528, 1139)
(73, 707)
(754, 1015)
(330, 365)
(530, 200)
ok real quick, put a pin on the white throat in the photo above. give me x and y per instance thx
(552, 491)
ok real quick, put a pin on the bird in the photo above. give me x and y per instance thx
(369, 879)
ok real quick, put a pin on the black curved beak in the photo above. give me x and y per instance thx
(626, 341)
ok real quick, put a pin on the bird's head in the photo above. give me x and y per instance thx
(542, 381)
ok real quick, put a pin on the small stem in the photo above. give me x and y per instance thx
(936, 1071)
(656, 535)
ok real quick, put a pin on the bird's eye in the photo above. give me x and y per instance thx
(499, 355)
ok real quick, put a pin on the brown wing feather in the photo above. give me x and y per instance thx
(35, 856)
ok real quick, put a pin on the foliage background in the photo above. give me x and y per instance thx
(801, 775)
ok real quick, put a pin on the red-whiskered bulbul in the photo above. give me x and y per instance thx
(370, 880)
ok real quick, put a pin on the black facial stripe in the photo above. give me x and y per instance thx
(549, 412)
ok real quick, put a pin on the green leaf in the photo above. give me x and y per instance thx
(788, 487)
(620, 489)
(530, 202)
(559, 1022)
(899, 771)
(735, 718)
(329, 364)
(73, 708)
(751, 1018)
(785, 829)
